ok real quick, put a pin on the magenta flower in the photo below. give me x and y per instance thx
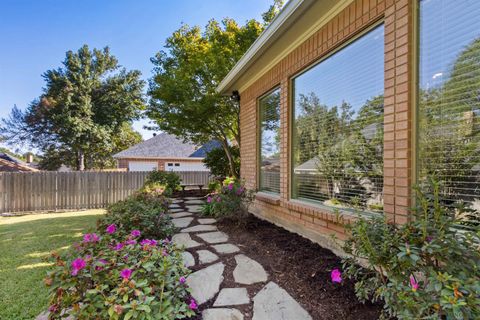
(230, 186)
(77, 265)
(148, 242)
(135, 233)
(336, 276)
(91, 237)
(102, 261)
(218, 199)
(95, 237)
(413, 283)
(131, 242)
(193, 305)
(126, 274)
(182, 280)
(239, 191)
(87, 237)
(119, 246)
(209, 199)
(111, 228)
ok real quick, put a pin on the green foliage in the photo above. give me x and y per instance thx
(104, 289)
(142, 211)
(232, 200)
(428, 252)
(84, 114)
(167, 180)
(214, 186)
(184, 100)
(217, 161)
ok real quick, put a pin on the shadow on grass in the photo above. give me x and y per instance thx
(24, 246)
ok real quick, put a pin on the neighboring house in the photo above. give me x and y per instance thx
(164, 152)
(10, 163)
(376, 58)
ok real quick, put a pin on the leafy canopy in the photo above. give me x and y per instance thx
(84, 113)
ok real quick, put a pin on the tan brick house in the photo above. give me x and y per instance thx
(345, 105)
(164, 152)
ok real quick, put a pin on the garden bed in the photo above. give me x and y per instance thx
(302, 267)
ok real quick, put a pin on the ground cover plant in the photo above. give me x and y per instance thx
(424, 269)
(25, 241)
(229, 199)
(108, 276)
(162, 182)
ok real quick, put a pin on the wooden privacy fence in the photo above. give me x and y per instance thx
(45, 191)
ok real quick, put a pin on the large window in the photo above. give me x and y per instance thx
(449, 101)
(337, 133)
(269, 112)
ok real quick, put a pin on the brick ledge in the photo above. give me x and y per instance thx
(268, 198)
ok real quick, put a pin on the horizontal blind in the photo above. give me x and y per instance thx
(338, 127)
(449, 101)
(269, 114)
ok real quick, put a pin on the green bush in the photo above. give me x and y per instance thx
(142, 211)
(232, 200)
(217, 161)
(424, 269)
(158, 180)
(104, 279)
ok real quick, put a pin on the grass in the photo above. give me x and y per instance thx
(24, 243)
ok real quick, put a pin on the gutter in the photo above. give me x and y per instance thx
(260, 44)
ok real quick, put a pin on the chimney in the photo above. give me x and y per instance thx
(29, 157)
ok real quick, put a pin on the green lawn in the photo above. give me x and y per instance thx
(24, 243)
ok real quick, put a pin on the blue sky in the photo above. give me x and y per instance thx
(35, 35)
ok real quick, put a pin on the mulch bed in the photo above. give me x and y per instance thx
(301, 267)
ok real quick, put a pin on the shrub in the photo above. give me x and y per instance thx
(216, 160)
(424, 269)
(232, 200)
(166, 180)
(103, 279)
(143, 212)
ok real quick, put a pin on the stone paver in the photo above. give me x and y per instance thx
(222, 314)
(174, 206)
(232, 297)
(194, 202)
(205, 256)
(273, 302)
(184, 239)
(176, 210)
(226, 248)
(207, 221)
(248, 271)
(194, 208)
(214, 237)
(188, 259)
(180, 214)
(205, 283)
(182, 222)
(200, 228)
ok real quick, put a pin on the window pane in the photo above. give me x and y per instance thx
(449, 100)
(338, 127)
(269, 109)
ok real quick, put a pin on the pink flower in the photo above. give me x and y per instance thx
(95, 237)
(135, 233)
(131, 242)
(148, 242)
(102, 261)
(218, 199)
(182, 280)
(111, 228)
(209, 199)
(164, 253)
(413, 283)
(119, 246)
(336, 276)
(193, 305)
(77, 265)
(239, 191)
(126, 274)
(91, 237)
(230, 186)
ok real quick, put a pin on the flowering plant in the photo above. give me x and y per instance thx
(138, 212)
(139, 280)
(423, 269)
(232, 200)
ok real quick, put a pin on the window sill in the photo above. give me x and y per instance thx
(268, 197)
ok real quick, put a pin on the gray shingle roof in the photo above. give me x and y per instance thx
(163, 145)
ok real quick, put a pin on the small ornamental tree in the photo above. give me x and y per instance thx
(216, 160)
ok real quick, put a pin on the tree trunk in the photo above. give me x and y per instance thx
(231, 163)
(81, 161)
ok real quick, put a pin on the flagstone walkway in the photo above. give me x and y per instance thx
(227, 284)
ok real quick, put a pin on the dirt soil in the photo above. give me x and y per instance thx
(301, 267)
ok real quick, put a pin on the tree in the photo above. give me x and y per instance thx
(216, 160)
(184, 100)
(84, 113)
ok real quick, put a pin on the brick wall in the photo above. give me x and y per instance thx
(312, 221)
(123, 163)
